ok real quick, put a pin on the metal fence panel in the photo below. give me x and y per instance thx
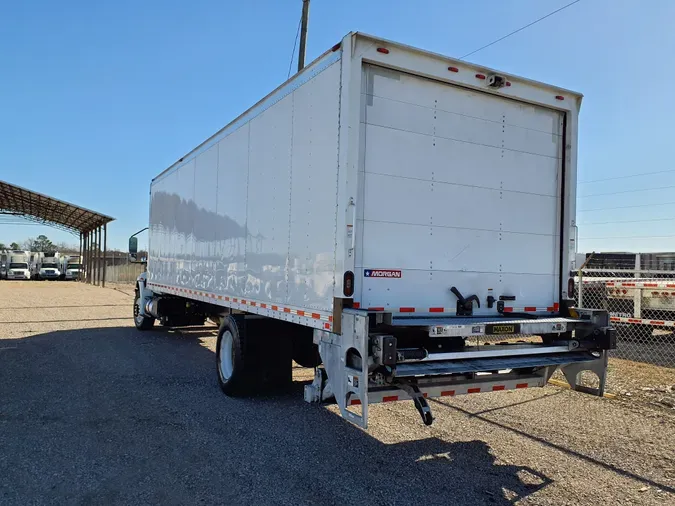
(641, 304)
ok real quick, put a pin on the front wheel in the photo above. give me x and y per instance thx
(141, 322)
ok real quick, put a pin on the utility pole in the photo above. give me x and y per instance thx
(303, 34)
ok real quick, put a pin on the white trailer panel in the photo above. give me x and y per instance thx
(452, 207)
(252, 215)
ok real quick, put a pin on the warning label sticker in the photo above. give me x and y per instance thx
(382, 273)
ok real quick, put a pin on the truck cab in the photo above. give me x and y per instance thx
(18, 268)
(71, 268)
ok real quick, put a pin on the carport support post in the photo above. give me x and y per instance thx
(99, 260)
(93, 259)
(79, 260)
(84, 258)
(105, 250)
(89, 266)
(97, 257)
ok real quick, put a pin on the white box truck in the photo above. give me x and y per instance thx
(381, 216)
(71, 265)
(18, 267)
(50, 266)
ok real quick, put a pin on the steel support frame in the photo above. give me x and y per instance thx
(105, 252)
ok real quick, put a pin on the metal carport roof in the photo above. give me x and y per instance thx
(34, 206)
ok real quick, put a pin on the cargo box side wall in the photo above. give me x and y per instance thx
(251, 214)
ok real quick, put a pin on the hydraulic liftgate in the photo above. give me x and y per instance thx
(378, 358)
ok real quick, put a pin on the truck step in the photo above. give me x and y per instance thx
(439, 368)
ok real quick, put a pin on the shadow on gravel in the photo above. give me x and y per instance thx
(111, 415)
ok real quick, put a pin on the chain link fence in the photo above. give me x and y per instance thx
(641, 303)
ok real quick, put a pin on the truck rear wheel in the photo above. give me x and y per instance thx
(252, 357)
(141, 322)
(234, 367)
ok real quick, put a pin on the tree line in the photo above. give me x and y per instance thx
(42, 244)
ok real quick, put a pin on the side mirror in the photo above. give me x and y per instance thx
(133, 248)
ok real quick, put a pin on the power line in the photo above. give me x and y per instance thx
(521, 28)
(626, 191)
(627, 221)
(290, 63)
(625, 207)
(625, 177)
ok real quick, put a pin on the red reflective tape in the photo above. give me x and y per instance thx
(356, 305)
(287, 310)
(530, 309)
(508, 310)
(355, 402)
(326, 326)
(550, 309)
(389, 398)
(220, 297)
(330, 318)
(300, 313)
(610, 283)
(316, 316)
(275, 308)
(634, 320)
(375, 309)
(234, 300)
(445, 393)
(521, 385)
(406, 309)
(651, 285)
(657, 322)
(263, 305)
(435, 309)
(473, 390)
(227, 299)
(253, 303)
(243, 301)
(670, 285)
(614, 319)
(556, 306)
(498, 387)
(627, 284)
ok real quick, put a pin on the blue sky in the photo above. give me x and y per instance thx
(99, 97)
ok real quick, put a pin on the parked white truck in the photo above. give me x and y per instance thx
(71, 265)
(50, 266)
(19, 265)
(379, 216)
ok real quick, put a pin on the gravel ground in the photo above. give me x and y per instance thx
(92, 411)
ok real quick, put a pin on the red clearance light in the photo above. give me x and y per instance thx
(383, 50)
(559, 97)
(453, 69)
(480, 76)
(508, 83)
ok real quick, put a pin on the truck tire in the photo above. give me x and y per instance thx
(233, 363)
(252, 357)
(141, 322)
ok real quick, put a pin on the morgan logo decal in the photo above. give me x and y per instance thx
(381, 273)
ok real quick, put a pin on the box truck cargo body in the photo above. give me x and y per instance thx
(383, 192)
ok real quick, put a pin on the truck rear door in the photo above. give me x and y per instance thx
(458, 188)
